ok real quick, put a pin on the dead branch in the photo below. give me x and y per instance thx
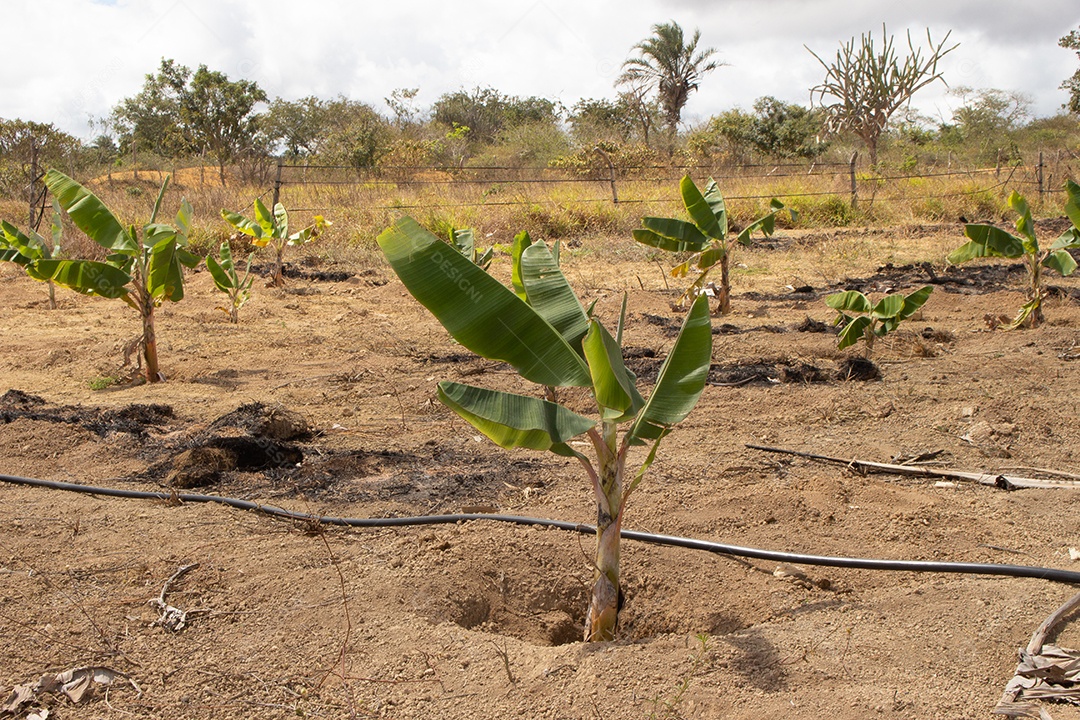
(1005, 482)
(172, 618)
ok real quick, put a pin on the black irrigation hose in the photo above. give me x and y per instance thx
(1041, 573)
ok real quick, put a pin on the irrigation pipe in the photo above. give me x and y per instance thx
(1027, 571)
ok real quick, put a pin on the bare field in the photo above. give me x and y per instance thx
(481, 620)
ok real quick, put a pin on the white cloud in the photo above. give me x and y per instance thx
(84, 56)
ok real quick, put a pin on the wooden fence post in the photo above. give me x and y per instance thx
(277, 185)
(611, 174)
(854, 185)
(1039, 176)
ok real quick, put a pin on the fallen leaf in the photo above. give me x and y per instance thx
(19, 696)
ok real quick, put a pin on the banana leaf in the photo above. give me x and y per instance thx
(84, 276)
(19, 248)
(853, 332)
(849, 301)
(521, 242)
(513, 421)
(700, 210)
(550, 295)
(987, 241)
(680, 235)
(1061, 261)
(477, 310)
(613, 385)
(90, 214)
(682, 377)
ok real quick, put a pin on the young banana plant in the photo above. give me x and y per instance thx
(24, 249)
(706, 236)
(273, 229)
(990, 241)
(541, 329)
(465, 242)
(869, 320)
(228, 281)
(143, 269)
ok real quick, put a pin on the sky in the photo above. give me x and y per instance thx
(77, 59)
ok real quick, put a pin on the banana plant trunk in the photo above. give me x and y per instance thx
(277, 278)
(149, 342)
(723, 305)
(1036, 317)
(602, 619)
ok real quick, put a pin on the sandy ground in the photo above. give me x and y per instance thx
(480, 619)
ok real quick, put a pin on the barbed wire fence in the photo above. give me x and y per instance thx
(402, 187)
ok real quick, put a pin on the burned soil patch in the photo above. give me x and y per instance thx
(780, 370)
(133, 419)
(963, 279)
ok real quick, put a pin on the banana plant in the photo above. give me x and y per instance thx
(228, 281)
(706, 236)
(23, 249)
(273, 229)
(872, 320)
(464, 241)
(541, 329)
(990, 241)
(143, 269)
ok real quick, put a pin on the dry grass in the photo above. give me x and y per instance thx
(577, 213)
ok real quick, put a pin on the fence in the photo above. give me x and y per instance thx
(410, 188)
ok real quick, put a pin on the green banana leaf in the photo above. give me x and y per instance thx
(680, 235)
(90, 214)
(682, 377)
(700, 211)
(711, 256)
(849, 301)
(1072, 204)
(477, 310)
(1061, 261)
(715, 199)
(914, 301)
(521, 242)
(1068, 239)
(241, 223)
(84, 276)
(165, 275)
(853, 332)
(613, 385)
(224, 278)
(1024, 224)
(19, 248)
(888, 306)
(513, 421)
(550, 295)
(278, 224)
(987, 241)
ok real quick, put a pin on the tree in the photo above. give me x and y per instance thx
(24, 143)
(179, 112)
(670, 66)
(295, 126)
(867, 85)
(1072, 85)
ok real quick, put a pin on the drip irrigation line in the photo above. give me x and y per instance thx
(1024, 571)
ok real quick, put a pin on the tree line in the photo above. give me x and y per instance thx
(185, 115)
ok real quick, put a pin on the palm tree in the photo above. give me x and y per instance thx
(669, 65)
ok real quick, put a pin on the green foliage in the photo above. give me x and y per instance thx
(541, 329)
(143, 268)
(991, 241)
(273, 229)
(180, 113)
(228, 281)
(464, 241)
(1072, 85)
(669, 65)
(26, 249)
(705, 237)
(20, 141)
(859, 319)
(487, 112)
